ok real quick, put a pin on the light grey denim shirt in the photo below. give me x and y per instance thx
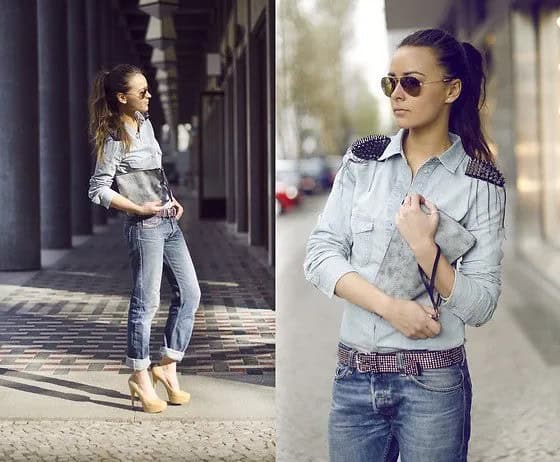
(355, 227)
(145, 153)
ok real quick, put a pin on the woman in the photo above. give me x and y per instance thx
(402, 382)
(125, 142)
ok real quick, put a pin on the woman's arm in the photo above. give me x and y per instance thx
(100, 191)
(472, 291)
(328, 268)
(408, 317)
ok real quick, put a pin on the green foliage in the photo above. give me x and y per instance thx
(313, 78)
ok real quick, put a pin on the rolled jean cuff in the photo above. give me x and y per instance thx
(138, 364)
(172, 354)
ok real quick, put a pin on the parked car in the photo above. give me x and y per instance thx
(288, 181)
(316, 175)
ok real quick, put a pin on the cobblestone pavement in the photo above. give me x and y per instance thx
(72, 316)
(119, 441)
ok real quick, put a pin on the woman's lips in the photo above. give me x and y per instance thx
(399, 111)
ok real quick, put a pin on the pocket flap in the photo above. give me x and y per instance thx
(361, 224)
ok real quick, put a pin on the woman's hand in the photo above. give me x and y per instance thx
(179, 208)
(149, 208)
(412, 319)
(417, 227)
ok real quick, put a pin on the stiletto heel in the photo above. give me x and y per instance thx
(132, 395)
(150, 406)
(174, 396)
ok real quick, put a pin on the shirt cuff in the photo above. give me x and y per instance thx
(105, 197)
(333, 269)
(461, 302)
(446, 299)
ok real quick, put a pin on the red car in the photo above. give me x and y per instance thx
(287, 197)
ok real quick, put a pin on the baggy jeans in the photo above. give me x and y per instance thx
(157, 245)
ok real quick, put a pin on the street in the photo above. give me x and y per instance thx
(514, 361)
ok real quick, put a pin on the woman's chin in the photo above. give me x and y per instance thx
(403, 123)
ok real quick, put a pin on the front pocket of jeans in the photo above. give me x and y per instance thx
(152, 222)
(342, 371)
(441, 380)
(362, 238)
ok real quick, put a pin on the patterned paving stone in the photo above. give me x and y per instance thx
(72, 317)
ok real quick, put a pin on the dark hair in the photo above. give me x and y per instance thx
(104, 117)
(460, 61)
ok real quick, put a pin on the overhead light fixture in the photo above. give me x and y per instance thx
(161, 32)
(167, 87)
(169, 74)
(168, 97)
(160, 8)
(162, 59)
(213, 64)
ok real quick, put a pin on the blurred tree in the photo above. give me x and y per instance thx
(314, 81)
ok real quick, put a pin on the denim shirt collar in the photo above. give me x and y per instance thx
(451, 158)
(140, 117)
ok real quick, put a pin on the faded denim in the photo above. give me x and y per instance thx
(157, 245)
(144, 154)
(355, 227)
(376, 416)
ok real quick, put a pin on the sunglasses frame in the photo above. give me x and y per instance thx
(398, 80)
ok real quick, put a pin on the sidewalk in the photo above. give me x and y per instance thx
(63, 338)
(513, 359)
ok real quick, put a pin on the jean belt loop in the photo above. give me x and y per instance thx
(351, 354)
(400, 362)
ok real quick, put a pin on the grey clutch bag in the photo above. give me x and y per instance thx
(398, 274)
(142, 186)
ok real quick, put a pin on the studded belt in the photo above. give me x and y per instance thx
(409, 361)
(169, 212)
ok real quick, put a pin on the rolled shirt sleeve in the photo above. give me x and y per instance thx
(330, 243)
(100, 191)
(477, 284)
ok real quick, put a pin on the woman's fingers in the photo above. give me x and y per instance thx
(415, 201)
(431, 207)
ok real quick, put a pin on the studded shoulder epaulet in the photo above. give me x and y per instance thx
(485, 170)
(370, 147)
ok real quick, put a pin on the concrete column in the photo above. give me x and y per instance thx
(79, 144)
(20, 232)
(105, 37)
(229, 151)
(270, 124)
(56, 223)
(240, 144)
(256, 133)
(99, 214)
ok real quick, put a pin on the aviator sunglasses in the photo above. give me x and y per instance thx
(411, 85)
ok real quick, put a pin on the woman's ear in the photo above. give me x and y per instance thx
(121, 98)
(453, 90)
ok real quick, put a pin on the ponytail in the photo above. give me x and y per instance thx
(104, 116)
(461, 61)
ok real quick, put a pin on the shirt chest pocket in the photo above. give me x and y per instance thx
(140, 163)
(363, 228)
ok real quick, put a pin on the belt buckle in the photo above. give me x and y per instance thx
(370, 367)
(358, 357)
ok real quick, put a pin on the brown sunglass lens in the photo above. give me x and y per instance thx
(388, 85)
(411, 85)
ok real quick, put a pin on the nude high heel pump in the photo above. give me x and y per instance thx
(150, 406)
(175, 396)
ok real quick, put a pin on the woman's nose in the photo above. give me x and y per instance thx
(398, 92)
